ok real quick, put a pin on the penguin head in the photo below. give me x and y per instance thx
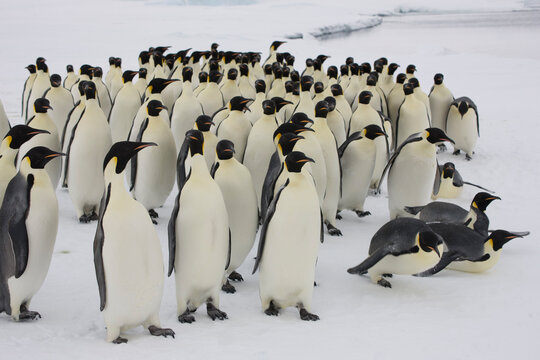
(309, 62)
(295, 76)
(321, 109)
(31, 68)
(196, 56)
(232, 74)
(112, 58)
(267, 69)
(365, 68)
(296, 160)
(157, 85)
(372, 79)
(400, 79)
(317, 65)
(414, 82)
(290, 86)
(142, 73)
(438, 78)
(336, 90)
(81, 86)
(169, 61)
(154, 107)
(161, 49)
(349, 60)
(195, 141)
(239, 103)
(463, 107)
(411, 69)
(244, 70)
(214, 46)
(332, 72)
(276, 70)
(344, 70)
(289, 127)
(260, 86)
(322, 58)
(187, 73)
(144, 57)
(382, 60)
(180, 55)
(448, 170)
(214, 76)
(41, 105)
(498, 238)
(429, 241)
(287, 141)
(42, 66)
(158, 58)
(276, 44)
(86, 70)
(392, 68)
(56, 80)
(436, 135)
(19, 134)
(354, 68)
(118, 62)
(365, 97)
(225, 149)
(482, 200)
(269, 107)
(128, 75)
(306, 82)
(203, 77)
(90, 90)
(301, 119)
(373, 131)
(39, 156)
(378, 67)
(121, 152)
(290, 60)
(318, 87)
(408, 89)
(203, 123)
(331, 103)
(286, 72)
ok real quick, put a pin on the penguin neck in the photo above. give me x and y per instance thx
(153, 96)
(305, 96)
(118, 189)
(41, 178)
(260, 97)
(319, 122)
(212, 86)
(90, 103)
(186, 88)
(198, 166)
(268, 119)
(7, 155)
(84, 77)
(296, 177)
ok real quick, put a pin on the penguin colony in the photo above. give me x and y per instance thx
(253, 146)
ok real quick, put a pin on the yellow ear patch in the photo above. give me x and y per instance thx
(8, 139)
(474, 205)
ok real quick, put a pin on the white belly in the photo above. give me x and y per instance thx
(476, 267)
(125, 108)
(358, 163)
(185, 112)
(462, 130)
(406, 264)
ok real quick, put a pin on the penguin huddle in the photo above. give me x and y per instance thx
(254, 148)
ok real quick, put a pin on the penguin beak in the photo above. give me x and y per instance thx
(381, 134)
(230, 150)
(162, 107)
(38, 131)
(144, 145)
(306, 159)
(447, 139)
(48, 107)
(209, 123)
(50, 156)
(285, 102)
(305, 129)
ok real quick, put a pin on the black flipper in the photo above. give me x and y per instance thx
(478, 186)
(457, 180)
(180, 164)
(213, 169)
(397, 126)
(63, 139)
(99, 239)
(322, 227)
(172, 221)
(69, 145)
(437, 182)
(413, 210)
(30, 120)
(229, 251)
(355, 136)
(274, 169)
(371, 260)
(133, 174)
(264, 228)
(445, 260)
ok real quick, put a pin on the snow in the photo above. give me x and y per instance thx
(487, 50)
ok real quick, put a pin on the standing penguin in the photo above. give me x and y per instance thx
(88, 144)
(41, 84)
(211, 98)
(125, 106)
(412, 116)
(153, 171)
(204, 124)
(127, 254)
(61, 102)
(305, 105)
(199, 236)
(440, 98)
(15, 137)
(70, 79)
(273, 49)
(387, 81)
(401, 246)
(395, 99)
(229, 87)
(28, 226)
(420, 95)
(141, 83)
(342, 105)
(256, 106)
(236, 185)
(236, 127)
(289, 243)
(412, 170)
(104, 97)
(358, 157)
(27, 88)
(42, 120)
(335, 121)
(85, 74)
(463, 124)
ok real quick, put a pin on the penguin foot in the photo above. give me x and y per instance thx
(215, 313)
(228, 288)
(332, 230)
(456, 152)
(384, 283)
(120, 340)
(307, 316)
(374, 192)
(85, 219)
(361, 214)
(315, 284)
(388, 275)
(29, 315)
(468, 157)
(272, 310)
(234, 276)
(154, 330)
(153, 214)
(186, 317)
(153, 221)
(338, 216)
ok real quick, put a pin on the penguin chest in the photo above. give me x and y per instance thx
(412, 119)
(405, 264)
(358, 163)
(448, 189)
(463, 130)
(477, 266)
(236, 128)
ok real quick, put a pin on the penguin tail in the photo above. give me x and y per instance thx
(413, 210)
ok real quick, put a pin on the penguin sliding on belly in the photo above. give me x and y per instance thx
(449, 183)
(127, 254)
(28, 227)
(401, 246)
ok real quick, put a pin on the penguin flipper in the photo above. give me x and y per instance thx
(133, 174)
(457, 179)
(446, 259)
(437, 181)
(478, 186)
(269, 183)
(63, 140)
(383, 119)
(213, 169)
(228, 263)
(396, 129)
(171, 228)
(73, 131)
(413, 210)
(180, 164)
(269, 214)
(99, 239)
(355, 136)
(371, 260)
(30, 120)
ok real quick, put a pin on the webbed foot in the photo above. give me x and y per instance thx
(456, 152)
(154, 330)
(361, 214)
(307, 316)
(215, 313)
(120, 340)
(234, 276)
(153, 214)
(272, 310)
(332, 230)
(186, 317)
(228, 288)
(384, 283)
(29, 315)
(468, 157)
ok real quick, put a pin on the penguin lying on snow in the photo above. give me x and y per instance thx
(449, 183)
(401, 246)
(468, 250)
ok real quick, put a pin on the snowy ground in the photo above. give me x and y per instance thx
(486, 50)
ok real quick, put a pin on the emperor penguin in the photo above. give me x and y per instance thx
(203, 81)
(41, 84)
(319, 92)
(272, 57)
(463, 124)
(449, 183)
(70, 79)
(246, 89)
(318, 70)
(88, 144)
(27, 88)
(412, 117)
(260, 146)
(61, 102)
(4, 121)
(335, 121)
(28, 226)
(289, 243)
(278, 85)
(387, 81)
(420, 95)
(42, 120)
(141, 84)
(401, 246)
(439, 211)
(229, 87)
(180, 56)
(185, 110)
(357, 157)
(343, 80)
(112, 72)
(211, 98)
(236, 185)
(127, 254)
(309, 70)
(468, 251)
(199, 236)
(153, 172)
(305, 104)
(412, 170)
(116, 80)
(332, 74)
(411, 69)
(342, 105)
(236, 127)
(333, 167)
(355, 85)
(395, 99)
(292, 96)
(204, 124)
(85, 74)
(125, 106)
(104, 97)
(12, 141)
(268, 77)
(256, 106)
(440, 98)
(378, 100)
